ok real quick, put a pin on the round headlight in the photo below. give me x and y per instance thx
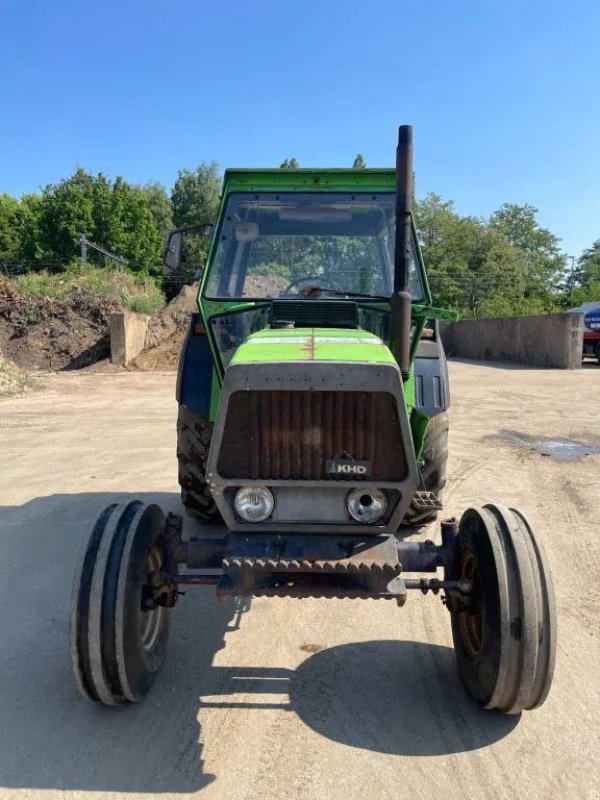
(253, 503)
(366, 505)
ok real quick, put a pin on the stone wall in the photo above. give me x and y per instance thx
(544, 340)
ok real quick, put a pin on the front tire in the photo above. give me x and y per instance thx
(434, 458)
(193, 442)
(504, 631)
(117, 644)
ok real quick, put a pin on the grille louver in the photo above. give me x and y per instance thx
(315, 313)
(283, 435)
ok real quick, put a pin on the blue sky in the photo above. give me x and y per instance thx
(504, 96)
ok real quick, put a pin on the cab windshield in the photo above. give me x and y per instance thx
(307, 245)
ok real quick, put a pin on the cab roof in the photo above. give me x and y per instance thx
(305, 180)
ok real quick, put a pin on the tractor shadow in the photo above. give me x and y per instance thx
(392, 697)
(385, 696)
(50, 737)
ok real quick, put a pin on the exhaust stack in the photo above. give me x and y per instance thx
(401, 300)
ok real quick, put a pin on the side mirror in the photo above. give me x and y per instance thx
(172, 255)
(185, 254)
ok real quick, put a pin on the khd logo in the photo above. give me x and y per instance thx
(348, 466)
(355, 469)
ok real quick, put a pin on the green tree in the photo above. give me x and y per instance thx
(195, 196)
(471, 265)
(160, 206)
(446, 241)
(29, 229)
(67, 209)
(587, 272)
(359, 162)
(9, 228)
(134, 233)
(289, 163)
(113, 214)
(584, 294)
(195, 200)
(543, 262)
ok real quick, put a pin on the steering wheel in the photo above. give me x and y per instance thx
(314, 281)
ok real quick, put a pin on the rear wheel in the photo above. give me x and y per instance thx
(505, 631)
(118, 638)
(193, 442)
(433, 469)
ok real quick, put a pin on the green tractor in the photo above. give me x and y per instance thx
(313, 423)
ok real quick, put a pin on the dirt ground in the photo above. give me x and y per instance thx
(291, 699)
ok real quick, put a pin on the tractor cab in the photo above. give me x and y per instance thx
(312, 249)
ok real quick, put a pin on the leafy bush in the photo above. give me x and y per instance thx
(585, 294)
(137, 292)
(13, 380)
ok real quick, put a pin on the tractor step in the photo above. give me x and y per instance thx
(423, 501)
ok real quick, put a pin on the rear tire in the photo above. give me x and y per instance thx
(193, 442)
(433, 470)
(117, 646)
(505, 634)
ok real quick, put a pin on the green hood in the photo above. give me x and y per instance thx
(313, 344)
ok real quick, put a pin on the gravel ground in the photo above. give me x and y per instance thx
(288, 699)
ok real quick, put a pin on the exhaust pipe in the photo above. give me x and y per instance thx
(401, 300)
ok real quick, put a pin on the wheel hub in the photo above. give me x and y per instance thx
(470, 619)
(151, 618)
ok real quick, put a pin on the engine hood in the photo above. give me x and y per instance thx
(313, 344)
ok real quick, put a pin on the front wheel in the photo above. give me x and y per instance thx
(504, 631)
(434, 460)
(118, 638)
(193, 443)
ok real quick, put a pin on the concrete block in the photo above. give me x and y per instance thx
(543, 340)
(127, 336)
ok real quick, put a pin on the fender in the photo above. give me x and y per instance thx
(432, 388)
(195, 371)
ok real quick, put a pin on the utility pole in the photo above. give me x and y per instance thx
(84, 252)
(572, 277)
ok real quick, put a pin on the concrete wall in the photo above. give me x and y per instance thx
(127, 336)
(545, 340)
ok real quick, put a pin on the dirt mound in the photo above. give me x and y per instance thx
(166, 332)
(167, 329)
(163, 357)
(265, 285)
(41, 333)
(173, 318)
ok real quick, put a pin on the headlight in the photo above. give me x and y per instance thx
(253, 503)
(366, 505)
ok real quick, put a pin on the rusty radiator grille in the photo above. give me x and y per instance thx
(282, 435)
